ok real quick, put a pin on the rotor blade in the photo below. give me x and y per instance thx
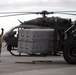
(65, 13)
(43, 12)
(57, 12)
(17, 12)
(34, 12)
(13, 15)
(10, 12)
(26, 14)
(62, 13)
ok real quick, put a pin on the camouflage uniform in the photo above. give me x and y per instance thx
(1, 39)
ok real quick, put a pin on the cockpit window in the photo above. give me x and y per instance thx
(15, 32)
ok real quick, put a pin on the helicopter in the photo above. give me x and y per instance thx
(64, 32)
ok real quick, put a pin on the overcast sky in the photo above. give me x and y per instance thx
(35, 5)
(32, 5)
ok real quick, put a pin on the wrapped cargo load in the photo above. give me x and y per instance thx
(32, 41)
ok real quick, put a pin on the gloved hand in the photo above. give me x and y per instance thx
(2, 29)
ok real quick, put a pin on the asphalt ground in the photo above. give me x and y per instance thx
(58, 66)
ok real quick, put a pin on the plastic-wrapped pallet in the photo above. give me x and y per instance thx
(37, 35)
(32, 48)
(33, 41)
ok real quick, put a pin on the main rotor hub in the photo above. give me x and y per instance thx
(44, 13)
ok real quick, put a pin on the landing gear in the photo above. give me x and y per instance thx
(12, 51)
(69, 53)
(9, 48)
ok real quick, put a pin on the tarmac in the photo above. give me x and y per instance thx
(58, 66)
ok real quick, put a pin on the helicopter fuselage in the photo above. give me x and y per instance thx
(52, 22)
(55, 23)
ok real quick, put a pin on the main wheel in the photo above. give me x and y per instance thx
(69, 53)
(9, 48)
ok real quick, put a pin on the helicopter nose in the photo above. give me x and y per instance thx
(5, 36)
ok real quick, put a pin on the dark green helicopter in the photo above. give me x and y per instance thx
(64, 38)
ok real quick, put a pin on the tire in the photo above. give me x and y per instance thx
(43, 54)
(9, 48)
(69, 53)
(32, 54)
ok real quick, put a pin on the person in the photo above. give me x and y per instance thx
(1, 39)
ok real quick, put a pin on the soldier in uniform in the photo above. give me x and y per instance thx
(1, 39)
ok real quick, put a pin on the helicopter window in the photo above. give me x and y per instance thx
(15, 31)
